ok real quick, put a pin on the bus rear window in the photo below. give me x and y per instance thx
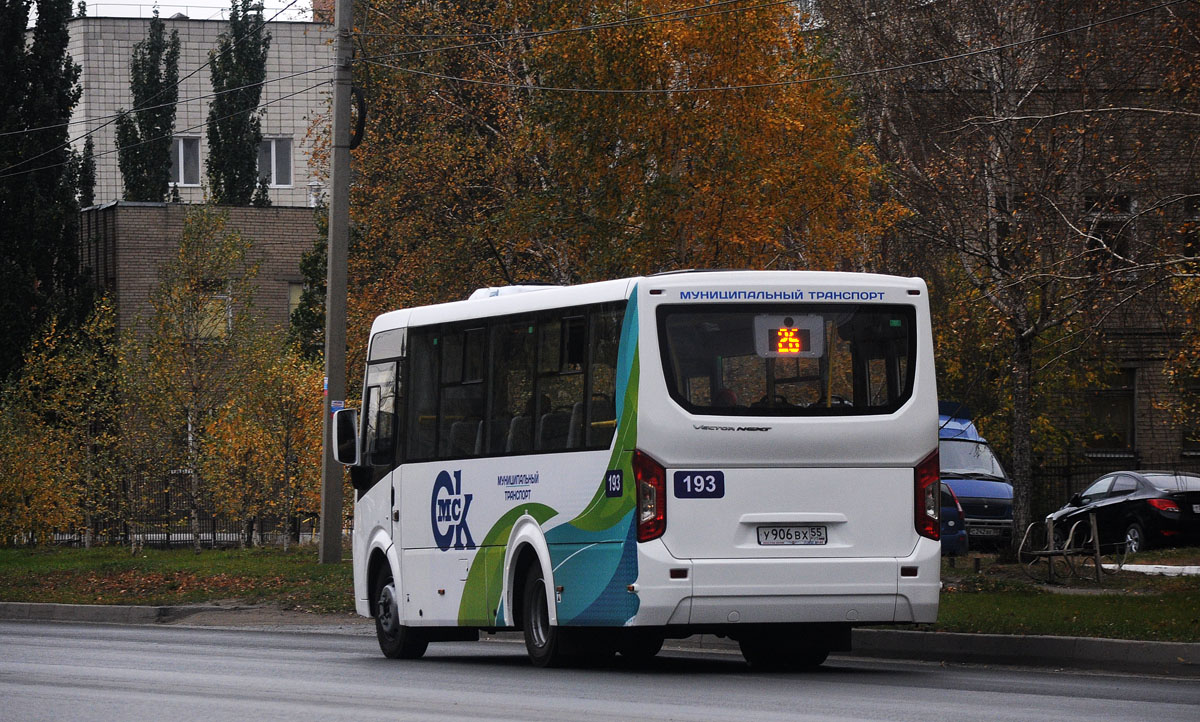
(789, 360)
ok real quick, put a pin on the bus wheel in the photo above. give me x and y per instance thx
(396, 640)
(763, 653)
(543, 641)
(640, 647)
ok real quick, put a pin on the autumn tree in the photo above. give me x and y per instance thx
(238, 67)
(265, 455)
(667, 137)
(59, 449)
(306, 327)
(1033, 141)
(144, 134)
(187, 365)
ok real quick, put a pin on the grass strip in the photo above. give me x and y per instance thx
(1000, 600)
(1164, 617)
(111, 575)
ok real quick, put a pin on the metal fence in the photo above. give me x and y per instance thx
(154, 512)
(1054, 483)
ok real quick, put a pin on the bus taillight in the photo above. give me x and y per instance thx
(928, 497)
(651, 480)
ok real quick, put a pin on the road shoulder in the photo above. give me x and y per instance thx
(1173, 659)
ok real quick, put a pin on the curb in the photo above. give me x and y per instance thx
(1175, 659)
(95, 613)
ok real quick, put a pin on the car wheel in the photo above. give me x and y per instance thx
(1135, 539)
(396, 640)
(544, 642)
(1060, 538)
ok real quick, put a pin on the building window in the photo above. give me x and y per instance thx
(215, 318)
(295, 292)
(275, 162)
(1110, 230)
(1191, 226)
(185, 161)
(1111, 414)
(1190, 424)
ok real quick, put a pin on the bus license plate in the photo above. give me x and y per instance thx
(804, 535)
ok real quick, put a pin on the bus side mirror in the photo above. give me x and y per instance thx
(345, 437)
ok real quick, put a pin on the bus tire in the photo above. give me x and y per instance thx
(544, 642)
(396, 640)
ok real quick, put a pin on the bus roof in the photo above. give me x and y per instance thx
(499, 301)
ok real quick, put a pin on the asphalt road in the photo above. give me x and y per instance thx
(60, 671)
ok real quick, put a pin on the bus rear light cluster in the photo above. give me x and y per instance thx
(651, 479)
(927, 485)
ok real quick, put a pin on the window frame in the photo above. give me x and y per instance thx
(485, 330)
(1126, 392)
(862, 373)
(178, 166)
(272, 142)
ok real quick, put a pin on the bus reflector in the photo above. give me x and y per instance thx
(651, 480)
(928, 497)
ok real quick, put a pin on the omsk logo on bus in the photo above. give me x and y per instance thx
(448, 512)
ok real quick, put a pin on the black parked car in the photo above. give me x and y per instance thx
(1139, 508)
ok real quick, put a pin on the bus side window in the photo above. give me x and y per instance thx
(462, 398)
(423, 385)
(560, 381)
(602, 369)
(379, 442)
(509, 424)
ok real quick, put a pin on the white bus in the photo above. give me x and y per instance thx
(750, 454)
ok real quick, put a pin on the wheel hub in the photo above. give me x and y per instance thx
(387, 613)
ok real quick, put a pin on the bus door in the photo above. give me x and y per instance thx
(379, 503)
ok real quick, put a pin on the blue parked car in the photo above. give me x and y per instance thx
(975, 476)
(954, 527)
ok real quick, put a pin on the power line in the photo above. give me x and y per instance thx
(5, 172)
(193, 99)
(680, 14)
(775, 83)
(627, 22)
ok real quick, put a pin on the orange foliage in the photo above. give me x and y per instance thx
(264, 451)
(468, 184)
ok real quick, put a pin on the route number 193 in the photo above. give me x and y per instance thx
(699, 484)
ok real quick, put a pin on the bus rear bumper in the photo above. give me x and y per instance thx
(782, 591)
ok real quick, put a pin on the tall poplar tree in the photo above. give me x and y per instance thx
(39, 213)
(239, 66)
(144, 135)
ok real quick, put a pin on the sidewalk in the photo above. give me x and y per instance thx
(1110, 655)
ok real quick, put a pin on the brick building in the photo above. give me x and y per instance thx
(125, 244)
(294, 96)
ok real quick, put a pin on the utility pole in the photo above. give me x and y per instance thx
(335, 293)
